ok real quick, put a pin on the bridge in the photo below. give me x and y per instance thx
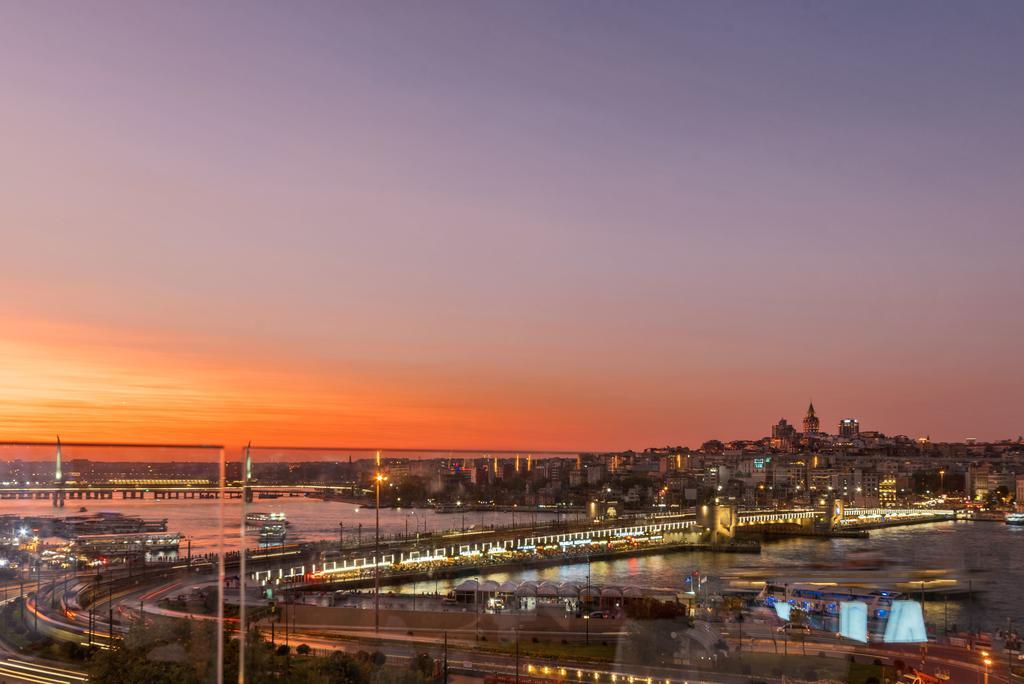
(716, 524)
(171, 490)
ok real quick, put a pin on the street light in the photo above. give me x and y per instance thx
(379, 479)
(586, 609)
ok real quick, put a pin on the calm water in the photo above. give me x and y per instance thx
(991, 554)
(203, 519)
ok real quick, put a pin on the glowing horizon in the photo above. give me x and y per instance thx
(509, 225)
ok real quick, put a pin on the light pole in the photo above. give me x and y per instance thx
(38, 588)
(1006, 646)
(379, 478)
(341, 536)
(586, 610)
(517, 650)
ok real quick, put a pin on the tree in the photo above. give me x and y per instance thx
(342, 668)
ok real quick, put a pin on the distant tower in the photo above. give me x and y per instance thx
(247, 474)
(811, 422)
(58, 478)
(529, 462)
(517, 463)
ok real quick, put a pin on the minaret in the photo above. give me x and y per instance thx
(58, 478)
(247, 474)
(811, 422)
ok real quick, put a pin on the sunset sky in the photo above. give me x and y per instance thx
(536, 225)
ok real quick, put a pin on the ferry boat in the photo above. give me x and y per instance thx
(119, 545)
(260, 519)
(273, 533)
(106, 522)
(1015, 518)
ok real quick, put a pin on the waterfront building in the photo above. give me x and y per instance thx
(887, 491)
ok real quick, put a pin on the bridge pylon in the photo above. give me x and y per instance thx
(719, 521)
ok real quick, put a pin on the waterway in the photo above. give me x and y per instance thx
(990, 554)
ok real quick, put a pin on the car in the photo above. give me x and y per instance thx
(599, 615)
(793, 628)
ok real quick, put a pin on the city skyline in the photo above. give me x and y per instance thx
(471, 225)
(844, 427)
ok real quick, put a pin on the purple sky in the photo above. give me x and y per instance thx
(484, 224)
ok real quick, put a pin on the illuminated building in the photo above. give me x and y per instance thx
(887, 491)
(783, 435)
(849, 427)
(811, 423)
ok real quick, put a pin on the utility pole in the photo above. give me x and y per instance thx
(517, 651)
(586, 614)
(38, 591)
(376, 559)
(1006, 647)
(445, 666)
(341, 535)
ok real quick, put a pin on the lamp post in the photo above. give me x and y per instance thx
(517, 650)
(1006, 646)
(39, 567)
(586, 614)
(379, 478)
(341, 536)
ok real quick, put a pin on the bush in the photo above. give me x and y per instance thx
(303, 649)
(283, 650)
(379, 658)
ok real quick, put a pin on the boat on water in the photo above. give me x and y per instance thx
(259, 519)
(273, 533)
(1015, 518)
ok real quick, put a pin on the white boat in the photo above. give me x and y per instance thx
(259, 519)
